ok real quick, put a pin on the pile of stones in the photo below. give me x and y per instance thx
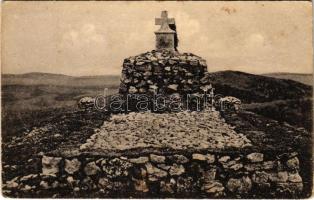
(182, 130)
(163, 72)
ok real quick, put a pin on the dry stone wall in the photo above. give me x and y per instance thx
(162, 71)
(173, 175)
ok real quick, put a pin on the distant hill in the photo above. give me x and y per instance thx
(37, 78)
(247, 87)
(302, 78)
(256, 88)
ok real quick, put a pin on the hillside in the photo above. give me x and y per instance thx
(29, 96)
(256, 88)
(302, 78)
(42, 90)
(265, 87)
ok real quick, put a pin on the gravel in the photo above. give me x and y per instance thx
(178, 131)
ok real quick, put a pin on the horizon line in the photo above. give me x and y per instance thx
(60, 74)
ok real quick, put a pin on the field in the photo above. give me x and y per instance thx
(40, 96)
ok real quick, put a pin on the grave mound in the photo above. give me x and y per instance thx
(172, 132)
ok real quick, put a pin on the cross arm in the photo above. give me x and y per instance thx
(158, 21)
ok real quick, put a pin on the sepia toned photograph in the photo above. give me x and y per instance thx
(156, 99)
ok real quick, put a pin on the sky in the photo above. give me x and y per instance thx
(92, 38)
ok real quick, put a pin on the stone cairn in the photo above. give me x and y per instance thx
(164, 70)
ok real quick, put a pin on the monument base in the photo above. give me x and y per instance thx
(163, 72)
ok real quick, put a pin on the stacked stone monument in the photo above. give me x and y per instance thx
(164, 70)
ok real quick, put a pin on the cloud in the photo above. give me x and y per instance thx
(84, 37)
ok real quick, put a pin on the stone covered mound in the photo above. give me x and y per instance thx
(176, 131)
(162, 71)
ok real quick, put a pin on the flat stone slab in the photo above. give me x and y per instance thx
(176, 131)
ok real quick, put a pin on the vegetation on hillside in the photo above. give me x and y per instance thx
(302, 78)
(255, 88)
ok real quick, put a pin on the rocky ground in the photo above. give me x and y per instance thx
(63, 131)
(178, 131)
(242, 132)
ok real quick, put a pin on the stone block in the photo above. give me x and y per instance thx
(281, 176)
(185, 184)
(209, 175)
(214, 188)
(50, 165)
(139, 160)
(72, 166)
(164, 167)
(173, 87)
(260, 177)
(255, 157)
(269, 165)
(91, 169)
(253, 167)
(154, 173)
(140, 185)
(241, 185)
(224, 159)
(176, 170)
(104, 183)
(116, 167)
(168, 187)
(201, 157)
(289, 188)
(44, 185)
(133, 90)
(157, 159)
(179, 159)
(293, 163)
(294, 177)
